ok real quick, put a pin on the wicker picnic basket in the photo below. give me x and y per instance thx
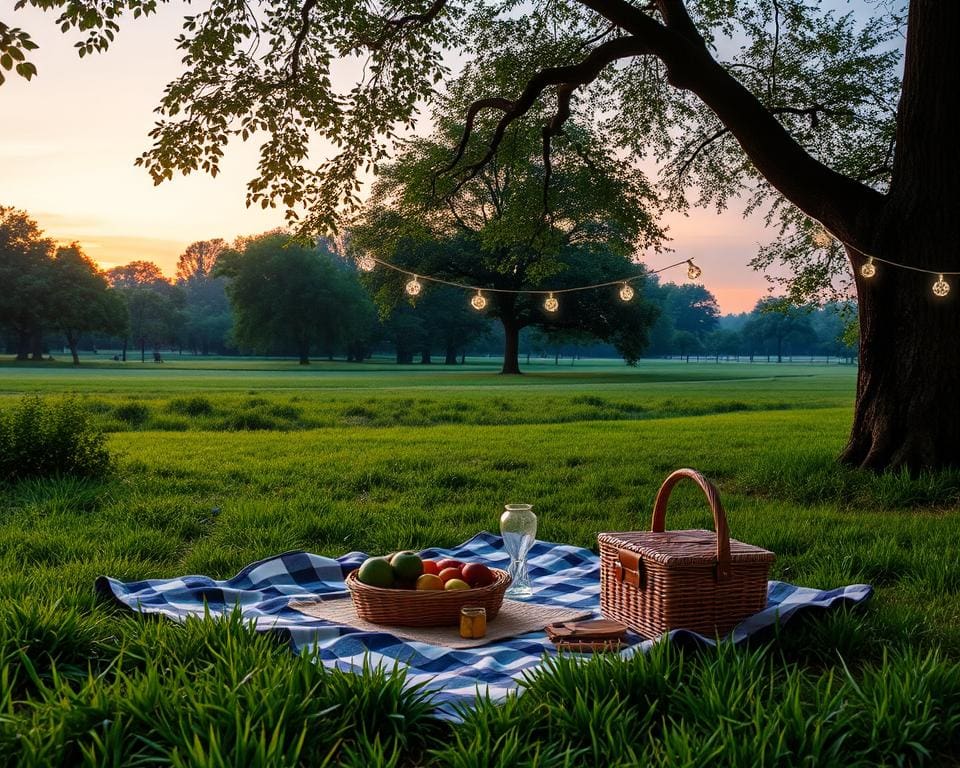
(699, 580)
(424, 608)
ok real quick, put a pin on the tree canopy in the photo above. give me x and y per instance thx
(46, 288)
(287, 296)
(505, 228)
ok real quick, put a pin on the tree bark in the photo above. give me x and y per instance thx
(907, 415)
(507, 303)
(425, 358)
(36, 344)
(451, 356)
(23, 345)
(72, 343)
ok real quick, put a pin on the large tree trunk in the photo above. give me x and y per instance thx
(23, 345)
(507, 306)
(451, 356)
(72, 343)
(907, 414)
(36, 344)
(511, 346)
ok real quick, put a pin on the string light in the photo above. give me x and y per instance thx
(868, 269)
(941, 288)
(414, 287)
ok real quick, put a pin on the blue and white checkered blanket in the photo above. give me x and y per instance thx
(562, 575)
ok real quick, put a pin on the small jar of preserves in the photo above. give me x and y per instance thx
(473, 622)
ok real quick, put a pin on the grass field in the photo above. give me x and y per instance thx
(376, 458)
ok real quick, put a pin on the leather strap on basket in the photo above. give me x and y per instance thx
(719, 516)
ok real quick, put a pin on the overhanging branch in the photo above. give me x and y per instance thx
(567, 78)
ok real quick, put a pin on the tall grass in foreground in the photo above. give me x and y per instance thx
(214, 693)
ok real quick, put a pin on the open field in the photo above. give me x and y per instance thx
(224, 462)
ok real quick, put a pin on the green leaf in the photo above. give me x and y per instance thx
(26, 70)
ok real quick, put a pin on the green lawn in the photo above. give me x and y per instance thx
(372, 457)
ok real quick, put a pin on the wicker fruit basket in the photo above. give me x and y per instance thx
(424, 608)
(699, 580)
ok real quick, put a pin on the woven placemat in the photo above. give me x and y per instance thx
(515, 618)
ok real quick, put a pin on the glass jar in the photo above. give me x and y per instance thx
(473, 622)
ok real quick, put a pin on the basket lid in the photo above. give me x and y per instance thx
(680, 548)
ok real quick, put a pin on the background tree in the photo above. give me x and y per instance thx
(286, 296)
(137, 274)
(81, 300)
(723, 342)
(154, 306)
(207, 316)
(686, 343)
(199, 259)
(24, 274)
(778, 328)
(797, 106)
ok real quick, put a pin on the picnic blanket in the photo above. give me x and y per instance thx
(562, 575)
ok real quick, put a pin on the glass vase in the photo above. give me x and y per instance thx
(518, 526)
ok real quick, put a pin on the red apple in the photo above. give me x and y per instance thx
(449, 563)
(477, 575)
(450, 573)
(431, 566)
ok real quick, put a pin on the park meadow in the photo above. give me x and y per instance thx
(220, 462)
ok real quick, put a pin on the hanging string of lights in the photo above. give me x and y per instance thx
(868, 269)
(551, 303)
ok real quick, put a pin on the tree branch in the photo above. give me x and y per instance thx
(847, 207)
(570, 77)
(396, 25)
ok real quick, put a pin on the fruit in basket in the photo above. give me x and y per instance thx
(376, 572)
(430, 566)
(456, 584)
(449, 563)
(429, 581)
(450, 573)
(477, 575)
(407, 566)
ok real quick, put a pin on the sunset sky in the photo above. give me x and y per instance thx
(68, 140)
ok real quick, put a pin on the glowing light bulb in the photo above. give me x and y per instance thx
(868, 270)
(414, 287)
(821, 238)
(626, 292)
(551, 304)
(479, 301)
(366, 263)
(693, 271)
(941, 288)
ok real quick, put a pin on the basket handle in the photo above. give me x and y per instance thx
(719, 516)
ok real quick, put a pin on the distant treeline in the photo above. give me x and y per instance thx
(266, 295)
